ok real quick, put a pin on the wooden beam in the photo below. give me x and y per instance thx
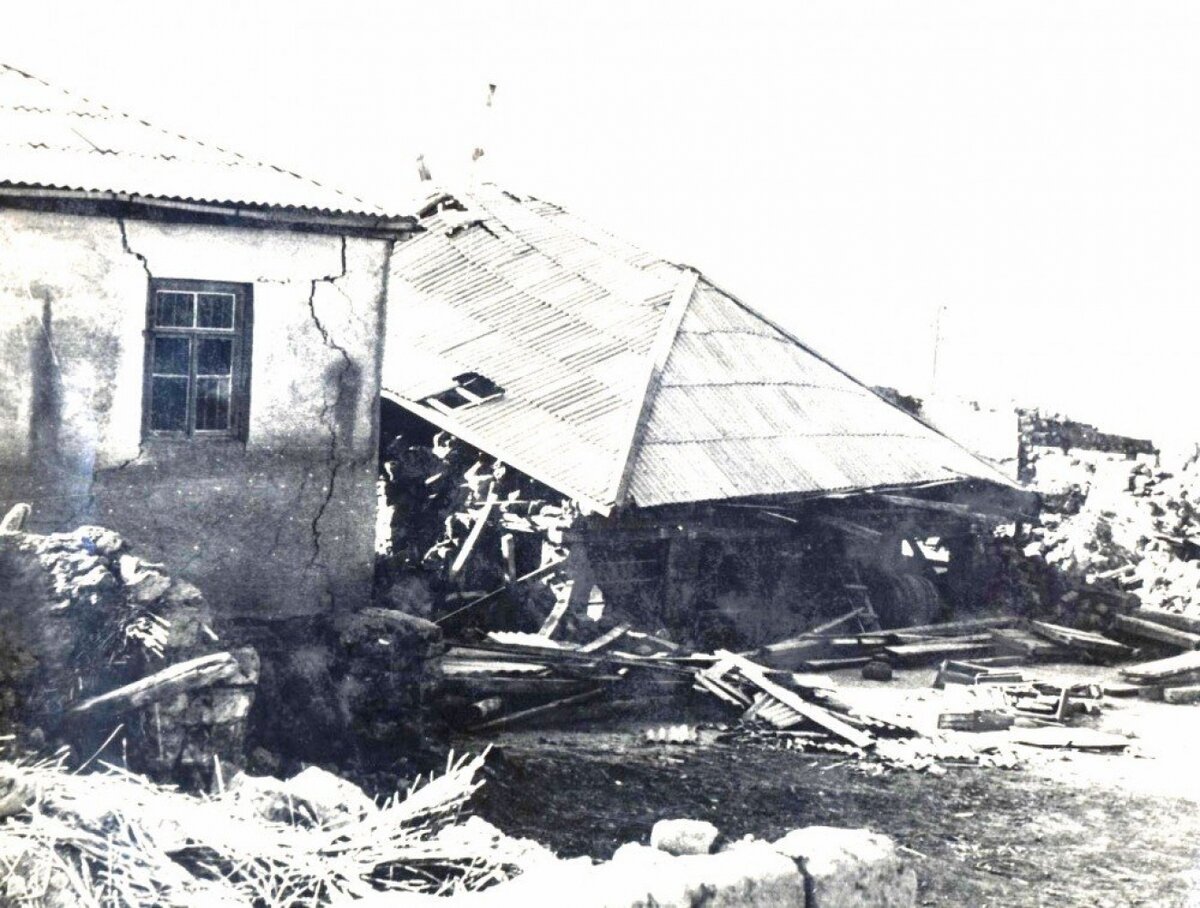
(1149, 630)
(194, 674)
(538, 710)
(1170, 619)
(946, 507)
(488, 597)
(664, 339)
(464, 552)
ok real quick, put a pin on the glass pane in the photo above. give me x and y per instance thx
(168, 404)
(212, 404)
(173, 310)
(214, 310)
(214, 356)
(171, 355)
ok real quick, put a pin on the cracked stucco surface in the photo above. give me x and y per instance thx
(282, 523)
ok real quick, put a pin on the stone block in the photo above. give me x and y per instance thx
(332, 800)
(850, 868)
(684, 836)
(104, 541)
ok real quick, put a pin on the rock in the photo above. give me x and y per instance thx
(476, 835)
(15, 795)
(753, 875)
(263, 796)
(143, 582)
(263, 761)
(877, 670)
(103, 541)
(331, 799)
(16, 519)
(850, 868)
(96, 580)
(679, 837)
(372, 622)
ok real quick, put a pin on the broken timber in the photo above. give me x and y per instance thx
(194, 674)
(757, 676)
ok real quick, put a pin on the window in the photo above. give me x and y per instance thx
(469, 389)
(197, 359)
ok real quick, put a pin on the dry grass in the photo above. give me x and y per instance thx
(111, 838)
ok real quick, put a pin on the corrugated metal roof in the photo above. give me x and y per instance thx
(565, 316)
(53, 139)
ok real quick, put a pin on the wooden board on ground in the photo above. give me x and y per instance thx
(1149, 630)
(1073, 638)
(1076, 738)
(1169, 619)
(928, 651)
(1181, 669)
(1016, 642)
(1188, 694)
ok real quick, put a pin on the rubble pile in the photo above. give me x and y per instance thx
(1122, 525)
(354, 690)
(84, 617)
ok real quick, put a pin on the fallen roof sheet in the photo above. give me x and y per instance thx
(53, 139)
(568, 319)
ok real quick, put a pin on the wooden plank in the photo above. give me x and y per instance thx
(829, 625)
(488, 597)
(1170, 619)
(934, 642)
(828, 665)
(1016, 642)
(604, 639)
(464, 552)
(205, 671)
(541, 710)
(921, 653)
(1085, 640)
(948, 507)
(1148, 630)
(1188, 694)
(757, 675)
(955, 628)
(1169, 669)
(561, 603)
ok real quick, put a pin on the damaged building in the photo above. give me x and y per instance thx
(192, 350)
(572, 423)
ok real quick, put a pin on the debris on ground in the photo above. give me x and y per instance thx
(112, 838)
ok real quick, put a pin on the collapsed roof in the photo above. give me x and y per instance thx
(619, 378)
(52, 139)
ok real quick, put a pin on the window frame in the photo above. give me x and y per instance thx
(239, 386)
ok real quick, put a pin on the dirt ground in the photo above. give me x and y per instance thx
(1065, 828)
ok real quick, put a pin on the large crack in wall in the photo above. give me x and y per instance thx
(331, 409)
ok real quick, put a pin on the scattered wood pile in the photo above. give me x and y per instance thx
(776, 696)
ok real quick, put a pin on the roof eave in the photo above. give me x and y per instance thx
(259, 215)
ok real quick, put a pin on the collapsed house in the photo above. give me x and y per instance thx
(621, 431)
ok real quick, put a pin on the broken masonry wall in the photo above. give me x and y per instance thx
(274, 525)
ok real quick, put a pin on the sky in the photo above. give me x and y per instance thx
(1016, 183)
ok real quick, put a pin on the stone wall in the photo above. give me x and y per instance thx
(278, 524)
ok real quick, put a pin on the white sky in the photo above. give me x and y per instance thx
(848, 168)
